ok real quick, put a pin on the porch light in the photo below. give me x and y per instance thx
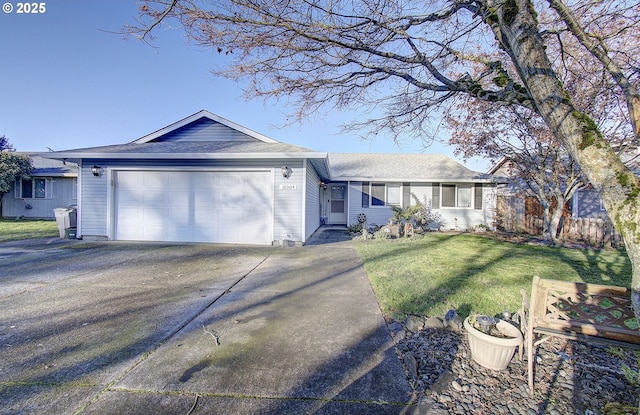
(95, 170)
(286, 172)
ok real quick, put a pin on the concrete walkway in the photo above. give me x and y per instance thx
(113, 328)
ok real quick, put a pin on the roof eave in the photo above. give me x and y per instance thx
(412, 180)
(185, 156)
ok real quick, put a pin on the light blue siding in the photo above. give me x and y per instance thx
(94, 191)
(288, 198)
(288, 201)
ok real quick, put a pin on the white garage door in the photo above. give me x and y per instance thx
(197, 206)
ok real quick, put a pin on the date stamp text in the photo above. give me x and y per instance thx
(25, 8)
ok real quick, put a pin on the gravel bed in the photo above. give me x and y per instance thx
(570, 377)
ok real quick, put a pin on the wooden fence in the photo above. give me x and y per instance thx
(513, 217)
(596, 232)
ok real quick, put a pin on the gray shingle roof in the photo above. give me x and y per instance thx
(400, 167)
(52, 168)
(192, 149)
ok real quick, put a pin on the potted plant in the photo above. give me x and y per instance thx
(492, 341)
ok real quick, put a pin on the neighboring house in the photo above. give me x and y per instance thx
(207, 179)
(53, 184)
(587, 203)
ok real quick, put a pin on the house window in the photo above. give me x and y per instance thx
(32, 188)
(464, 196)
(394, 195)
(456, 195)
(383, 194)
(448, 194)
(377, 194)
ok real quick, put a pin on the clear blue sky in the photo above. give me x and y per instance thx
(68, 80)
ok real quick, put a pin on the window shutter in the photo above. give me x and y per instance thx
(478, 196)
(406, 195)
(435, 195)
(16, 190)
(365, 194)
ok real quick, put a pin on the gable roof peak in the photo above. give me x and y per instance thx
(203, 114)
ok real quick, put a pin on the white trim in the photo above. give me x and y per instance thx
(303, 213)
(111, 200)
(413, 180)
(349, 202)
(197, 116)
(79, 203)
(189, 156)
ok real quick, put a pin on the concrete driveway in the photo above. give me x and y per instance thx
(142, 328)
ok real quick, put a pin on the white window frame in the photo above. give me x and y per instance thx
(457, 188)
(391, 192)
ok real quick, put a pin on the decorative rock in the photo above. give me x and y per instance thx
(452, 320)
(433, 323)
(413, 323)
(447, 381)
(395, 327)
(411, 364)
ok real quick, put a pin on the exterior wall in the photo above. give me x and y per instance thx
(452, 218)
(96, 193)
(587, 204)
(63, 193)
(93, 203)
(375, 215)
(288, 201)
(312, 201)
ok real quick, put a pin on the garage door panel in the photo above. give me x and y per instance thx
(224, 207)
(206, 200)
(181, 180)
(153, 180)
(150, 197)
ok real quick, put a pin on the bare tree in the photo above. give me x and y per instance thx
(538, 165)
(407, 59)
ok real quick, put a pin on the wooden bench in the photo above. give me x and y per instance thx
(573, 310)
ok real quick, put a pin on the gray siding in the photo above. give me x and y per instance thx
(452, 218)
(375, 215)
(63, 193)
(588, 204)
(312, 201)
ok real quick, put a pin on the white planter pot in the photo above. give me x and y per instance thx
(493, 352)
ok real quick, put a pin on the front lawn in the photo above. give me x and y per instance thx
(13, 230)
(431, 274)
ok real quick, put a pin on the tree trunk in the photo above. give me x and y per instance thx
(554, 222)
(516, 28)
(547, 234)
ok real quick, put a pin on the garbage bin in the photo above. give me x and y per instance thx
(65, 218)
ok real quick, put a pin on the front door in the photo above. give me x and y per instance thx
(337, 204)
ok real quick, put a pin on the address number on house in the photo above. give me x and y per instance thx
(288, 186)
